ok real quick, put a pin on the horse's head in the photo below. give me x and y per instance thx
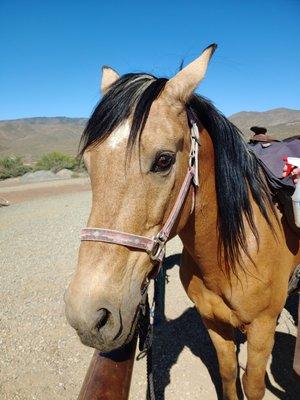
(136, 147)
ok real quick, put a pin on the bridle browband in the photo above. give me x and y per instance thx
(155, 246)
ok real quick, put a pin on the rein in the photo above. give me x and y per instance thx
(155, 247)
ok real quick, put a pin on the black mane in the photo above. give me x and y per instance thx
(237, 169)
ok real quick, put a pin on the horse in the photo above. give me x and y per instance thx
(238, 250)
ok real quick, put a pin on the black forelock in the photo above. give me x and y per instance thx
(132, 94)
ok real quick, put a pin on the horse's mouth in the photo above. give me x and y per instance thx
(132, 330)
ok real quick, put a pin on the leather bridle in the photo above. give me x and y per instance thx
(155, 246)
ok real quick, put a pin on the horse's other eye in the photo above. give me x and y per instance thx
(163, 162)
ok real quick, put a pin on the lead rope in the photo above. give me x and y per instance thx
(149, 361)
(145, 329)
(148, 317)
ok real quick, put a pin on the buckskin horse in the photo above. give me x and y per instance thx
(143, 156)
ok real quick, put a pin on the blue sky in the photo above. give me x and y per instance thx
(52, 51)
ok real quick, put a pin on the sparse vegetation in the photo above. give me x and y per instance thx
(56, 161)
(11, 167)
(14, 166)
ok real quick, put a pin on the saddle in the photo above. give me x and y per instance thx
(270, 155)
(271, 159)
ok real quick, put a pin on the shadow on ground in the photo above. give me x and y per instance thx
(282, 359)
(170, 338)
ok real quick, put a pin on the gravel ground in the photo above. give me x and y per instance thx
(41, 357)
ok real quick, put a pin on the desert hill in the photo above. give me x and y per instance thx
(280, 122)
(32, 137)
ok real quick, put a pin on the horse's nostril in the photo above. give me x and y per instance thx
(103, 318)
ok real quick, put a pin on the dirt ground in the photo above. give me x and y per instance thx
(41, 357)
(16, 192)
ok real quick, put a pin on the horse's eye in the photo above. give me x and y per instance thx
(163, 162)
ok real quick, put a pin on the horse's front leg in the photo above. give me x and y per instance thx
(222, 337)
(260, 341)
(216, 316)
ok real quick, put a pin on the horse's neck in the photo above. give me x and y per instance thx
(199, 236)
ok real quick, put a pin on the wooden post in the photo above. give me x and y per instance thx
(109, 375)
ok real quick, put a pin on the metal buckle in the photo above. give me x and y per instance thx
(159, 244)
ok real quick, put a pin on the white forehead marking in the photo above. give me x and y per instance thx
(119, 135)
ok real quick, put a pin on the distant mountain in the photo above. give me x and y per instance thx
(32, 137)
(280, 122)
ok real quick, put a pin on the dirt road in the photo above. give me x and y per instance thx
(41, 357)
(15, 192)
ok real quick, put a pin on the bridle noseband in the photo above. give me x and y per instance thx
(155, 246)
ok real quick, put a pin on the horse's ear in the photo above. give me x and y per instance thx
(109, 76)
(182, 85)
